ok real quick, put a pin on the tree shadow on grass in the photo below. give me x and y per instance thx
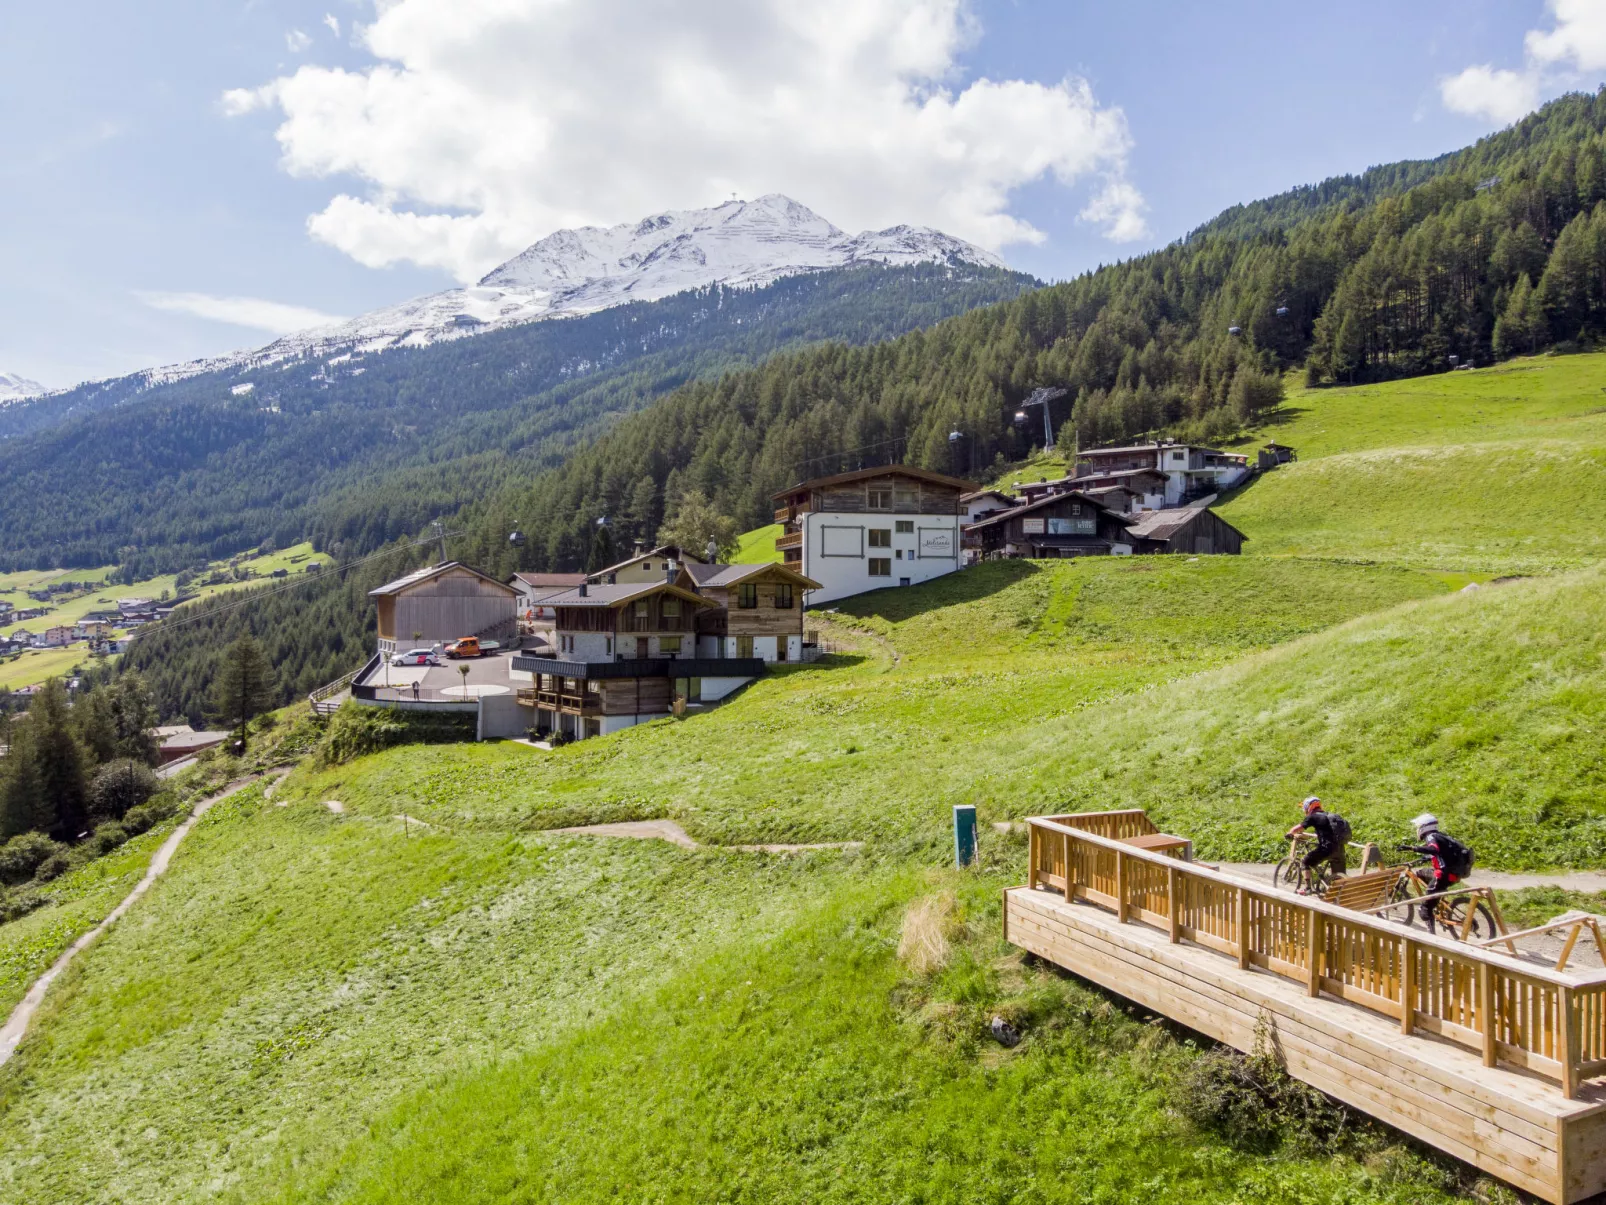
(895, 604)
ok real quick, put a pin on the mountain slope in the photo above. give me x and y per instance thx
(1189, 340)
(14, 388)
(205, 466)
(740, 244)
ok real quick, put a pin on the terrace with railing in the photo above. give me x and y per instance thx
(1210, 949)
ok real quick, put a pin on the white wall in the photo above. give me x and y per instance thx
(588, 646)
(843, 576)
(715, 689)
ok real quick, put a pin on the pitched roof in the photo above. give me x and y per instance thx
(1149, 447)
(671, 552)
(539, 580)
(617, 596)
(1051, 500)
(423, 575)
(1163, 524)
(974, 494)
(721, 576)
(886, 470)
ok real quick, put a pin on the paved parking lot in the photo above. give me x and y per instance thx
(486, 676)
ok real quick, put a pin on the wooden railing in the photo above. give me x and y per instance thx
(1550, 1023)
(792, 539)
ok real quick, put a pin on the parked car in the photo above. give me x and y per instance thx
(471, 646)
(415, 657)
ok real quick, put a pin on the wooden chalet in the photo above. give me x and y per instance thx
(1058, 525)
(443, 603)
(757, 611)
(628, 620)
(1191, 529)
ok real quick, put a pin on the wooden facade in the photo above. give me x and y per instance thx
(441, 604)
(1477, 1053)
(1196, 530)
(1059, 525)
(768, 602)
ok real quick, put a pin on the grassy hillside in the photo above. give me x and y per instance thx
(882, 742)
(1501, 470)
(757, 547)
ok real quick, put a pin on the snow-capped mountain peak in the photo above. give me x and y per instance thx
(580, 271)
(14, 388)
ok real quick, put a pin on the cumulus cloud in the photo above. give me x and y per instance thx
(254, 312)
(485, 124)
(1576, 45)
(297, 41)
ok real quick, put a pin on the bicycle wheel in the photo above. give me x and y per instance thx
(1404, 889)
(1289, 875)
(1483, 926)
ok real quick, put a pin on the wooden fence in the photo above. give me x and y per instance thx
(1551, 1023)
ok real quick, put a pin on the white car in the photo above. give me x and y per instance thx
(415, 657)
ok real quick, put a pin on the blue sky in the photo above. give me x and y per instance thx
(149, 214)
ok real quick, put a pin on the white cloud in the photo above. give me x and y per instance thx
(486, 124)
(297, 41)
(1501, 96)
(272, 316)
(333, 22)
(1552, 57)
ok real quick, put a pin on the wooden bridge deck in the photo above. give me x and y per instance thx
(1471, 1069)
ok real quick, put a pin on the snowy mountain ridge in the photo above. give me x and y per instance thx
(14, 388)
(581, 271)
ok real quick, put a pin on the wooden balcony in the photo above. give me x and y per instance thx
(792, 539)
(575, 703)
(1447, 1041)
(787, 514)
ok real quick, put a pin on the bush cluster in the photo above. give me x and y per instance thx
(356, 730)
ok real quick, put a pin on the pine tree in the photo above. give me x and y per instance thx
(62, 804)
(245, 686)
(19, 786)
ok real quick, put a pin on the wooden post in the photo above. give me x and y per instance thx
(1173, 903)
(1486, 1011)
(1243, 929)
(1033, 845)
(1120, 888)
(1567, 1041)
(1070, 880)
(1567, 946)
(1407, 985)
(1316, 932)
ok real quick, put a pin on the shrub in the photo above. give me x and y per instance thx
(21, 856)
(106, 838)
(15, 905)
(357, 730)
(1252, 1101)
(121, 785)
(52, 867)
(148, 815)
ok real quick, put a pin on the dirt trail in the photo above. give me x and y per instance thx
(668, 830)
(16, 1025)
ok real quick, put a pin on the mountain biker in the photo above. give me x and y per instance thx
(1451, 860)
(1332, 834)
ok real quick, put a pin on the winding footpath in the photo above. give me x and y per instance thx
(668, 830)
(16, 1025)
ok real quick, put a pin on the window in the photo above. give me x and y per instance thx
(669, 646)
(647, 566)
(906, 527)
(744, 646)
(641, 608)
(783, 597)
(880, 566)
(594, 688)
(1179, 456)
(746, 596)
(671, 607)
(903, 581)
(899, 554)
(880, 537)
(880, 499)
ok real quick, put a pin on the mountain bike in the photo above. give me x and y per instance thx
(1449, 912)
(1293, 875)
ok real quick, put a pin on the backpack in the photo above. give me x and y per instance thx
(1455, 857)
(1341, 830)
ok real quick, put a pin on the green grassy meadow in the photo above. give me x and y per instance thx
(321, 1007)
(757, 547)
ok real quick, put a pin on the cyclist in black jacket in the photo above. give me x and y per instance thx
(1332, 831)
(1451, 860)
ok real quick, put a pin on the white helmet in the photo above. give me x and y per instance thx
(1426, 823)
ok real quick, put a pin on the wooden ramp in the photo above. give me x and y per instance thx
(1487, 1064)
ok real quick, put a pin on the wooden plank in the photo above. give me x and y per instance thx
(1521, 1160)
(1316, 930)
(1407, 985)
(1486, 1012)
(1567, 1042)
(1514, 1092)
(1120, 887)
(1243, 929)
(1172, 897)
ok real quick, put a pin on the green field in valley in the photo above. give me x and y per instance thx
(464, 1006)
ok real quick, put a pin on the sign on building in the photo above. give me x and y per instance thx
(937, 542)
